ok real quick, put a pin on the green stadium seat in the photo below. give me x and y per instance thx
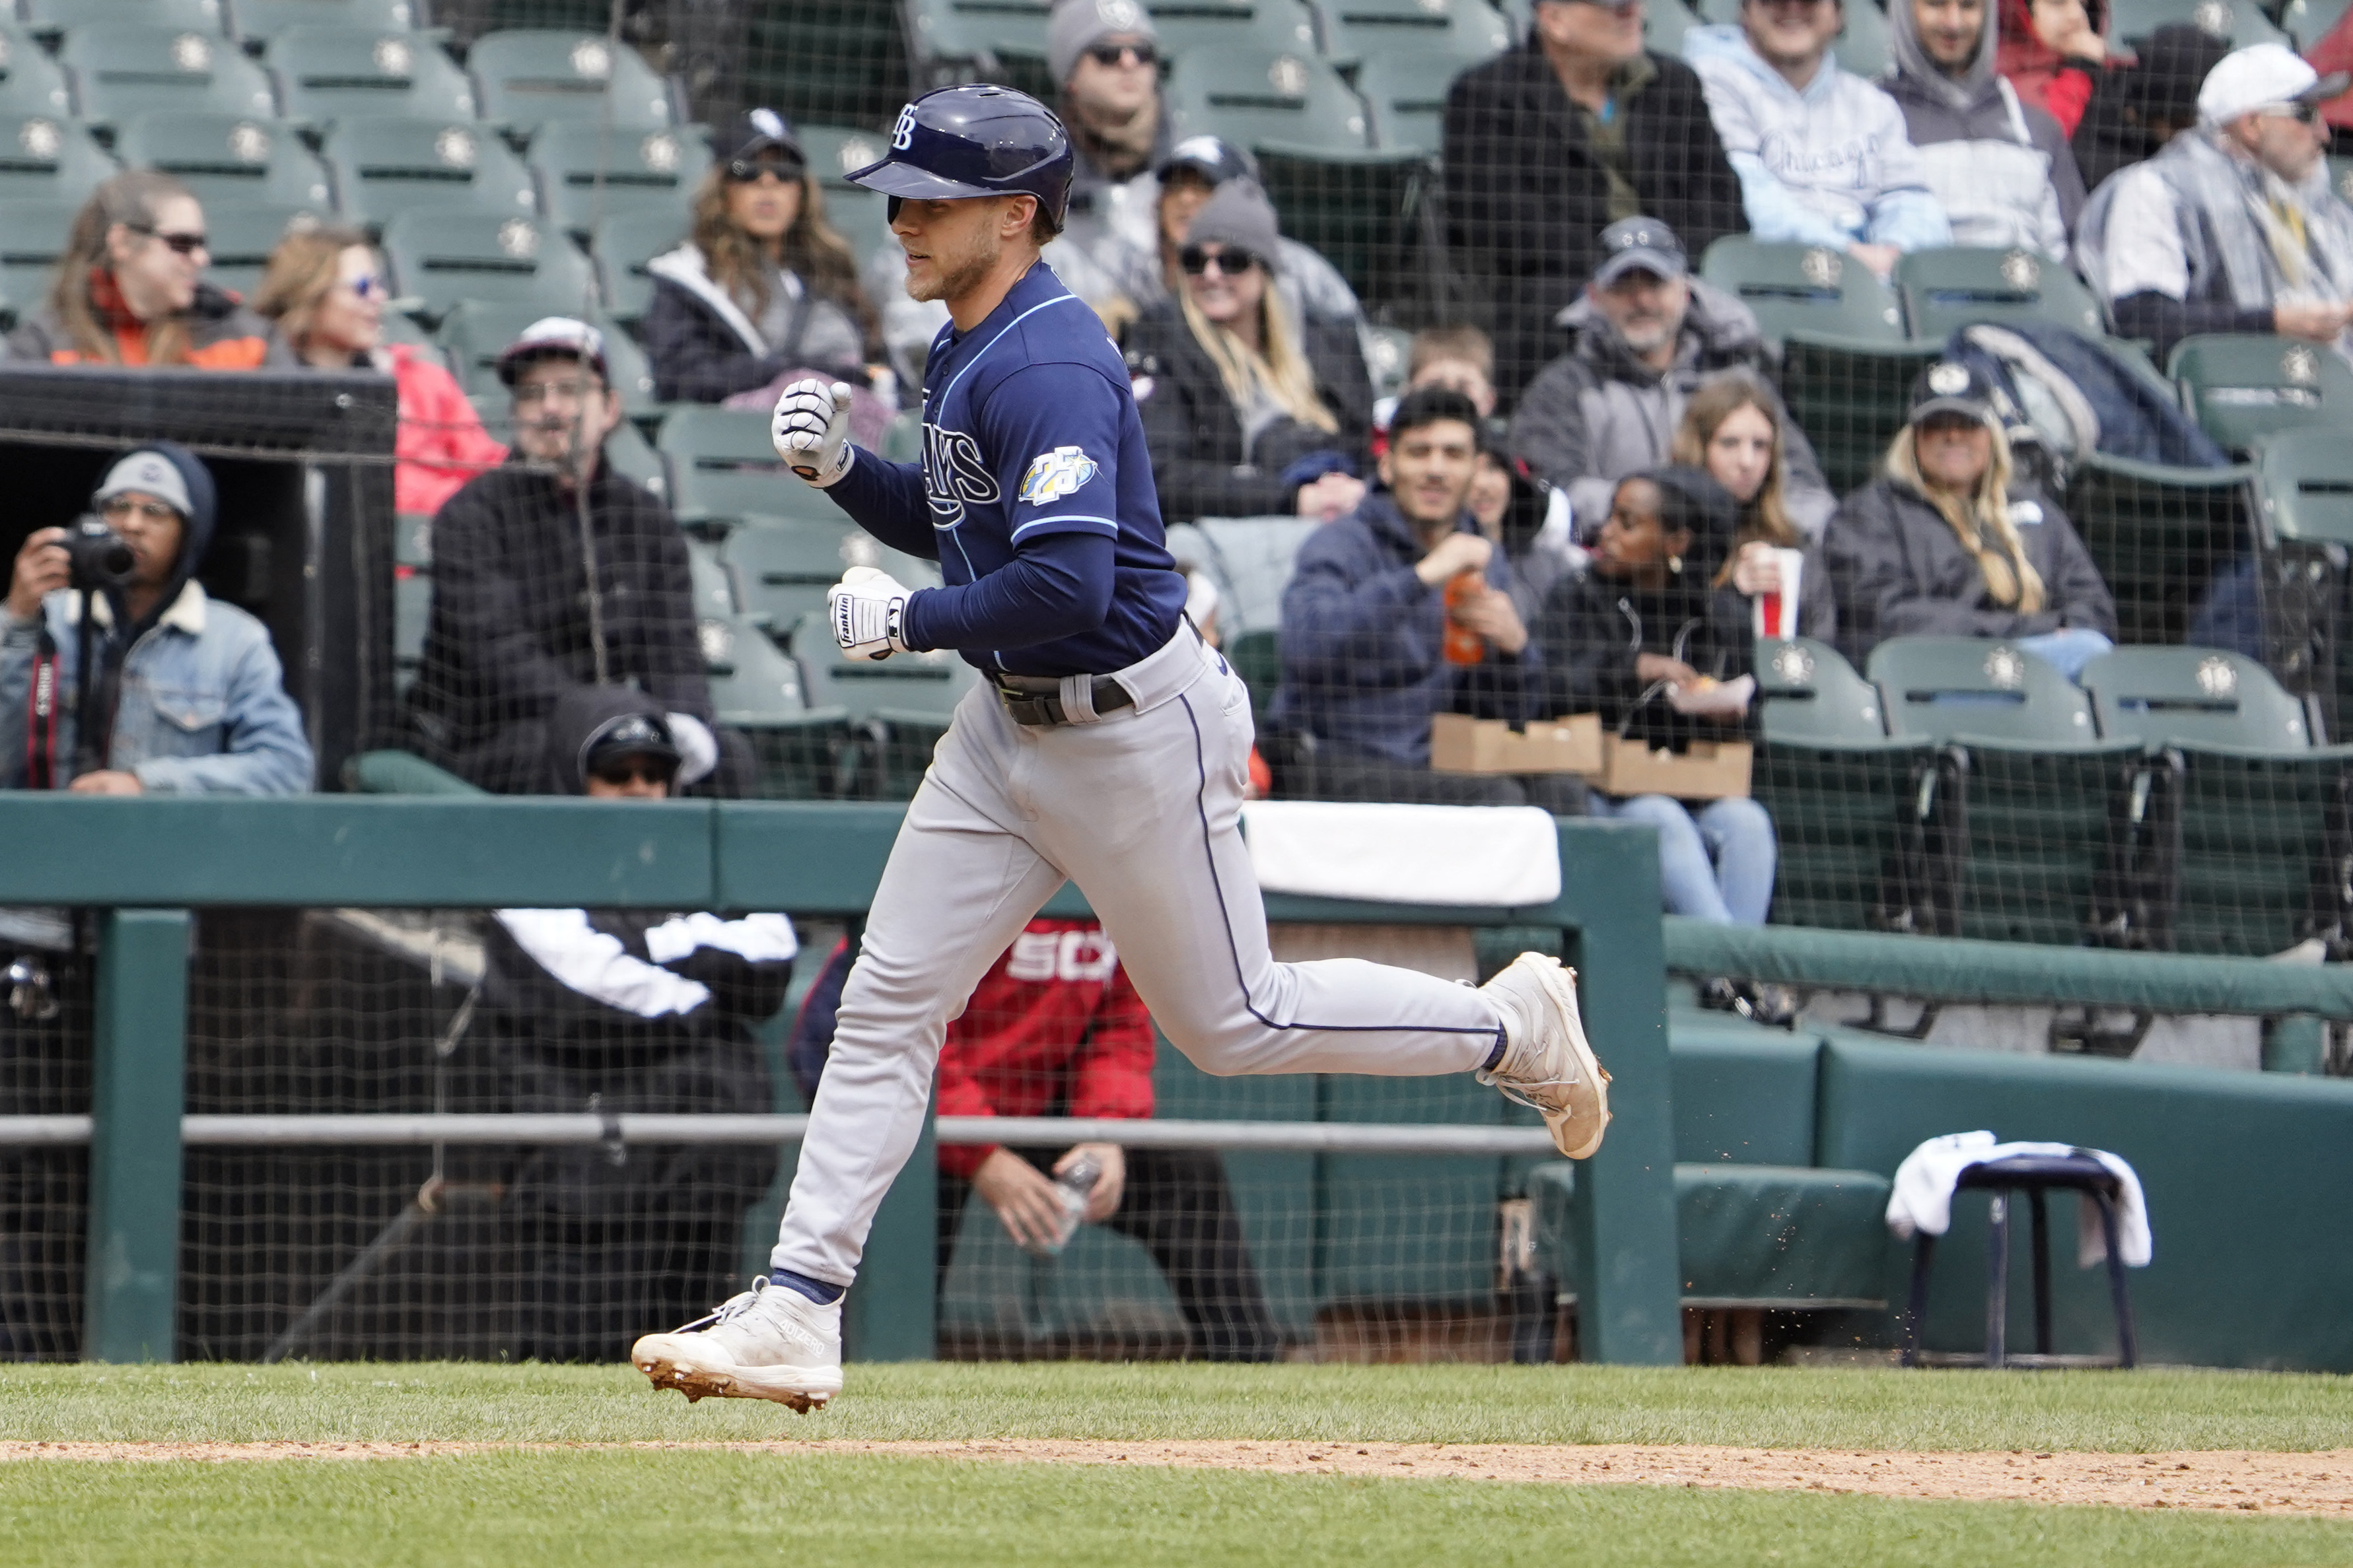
(2243, 387)
(2159, 536)
(586, 172)
(841, 61)
(119, 70)
(1407, 95)
(1257, 657)
(781, 569)
(2303, 479)
(2310, 20)
(328, 74)
(1859, 815)
(2340, 176)
(227, 158)
(32, 237)
(258, 21)
(632, 457)
(1800, 288)
(53, 18)
(1946, 289)
(981, 40)
(2051, 823)
(623, 243)
(1664, 23)
(2237, 22)
(243, 236)
(1187, 24)
(46, 158)
(412, 614)
(899, 706)
(724, 471)
(527, 76)
(385, 166)
(30, 81)
(441, 255)
(1367, 212)
(412, 540)
(858, 215)
(400, 772)
(1848, 396)
(1359, 32)
(1268, 99)
(2253, 813)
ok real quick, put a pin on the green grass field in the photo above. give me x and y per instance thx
(519, 1508)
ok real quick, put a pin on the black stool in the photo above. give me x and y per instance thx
(2033, 1175)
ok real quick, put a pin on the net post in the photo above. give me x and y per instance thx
(138, 1080)
(1628, 1305)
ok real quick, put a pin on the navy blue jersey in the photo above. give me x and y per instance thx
(1030, 434)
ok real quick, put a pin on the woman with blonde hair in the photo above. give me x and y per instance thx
(325, 295)
(763, 290)
(1733, 429)
(1943, 543)
(1246, 411)
(127, 290)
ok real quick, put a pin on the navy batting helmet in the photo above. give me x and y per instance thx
(976, 141)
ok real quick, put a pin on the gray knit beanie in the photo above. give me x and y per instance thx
(1076, 24)
(1238, 214)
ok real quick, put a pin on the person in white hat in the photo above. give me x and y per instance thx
(2232, 228)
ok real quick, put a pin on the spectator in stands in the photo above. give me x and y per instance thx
(1311, 287)
(1106, 56)
(1247, 411)
(2001, 169)
(127, 291)
(1733, 429)
(553, 571)
(1646, 639)
(763, 290)
(1400, 611)
(1943, 544)
(1645, 333)
(1514, 512)
(1461, 358)
(2051, 51)
(194, 698)
(325, 292)
(2233, 227)
(1822, 154)
(626, 1011)
(1055, 1028)
(1544, 146)
(2139, 104)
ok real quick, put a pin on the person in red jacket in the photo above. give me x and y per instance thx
(325, 292)
(1056, 1028)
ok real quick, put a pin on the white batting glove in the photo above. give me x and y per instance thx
(867, 605)
(811, 431)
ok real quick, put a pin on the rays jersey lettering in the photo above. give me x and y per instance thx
(955, 475)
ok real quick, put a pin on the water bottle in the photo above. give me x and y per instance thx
(1073, 1186)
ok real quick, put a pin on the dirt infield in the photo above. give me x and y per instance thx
(2224, 1481)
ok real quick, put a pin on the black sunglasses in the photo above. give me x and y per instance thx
(1232, 262)
(1112, 53)
(627, 769)
(747, 171)
(179, 244)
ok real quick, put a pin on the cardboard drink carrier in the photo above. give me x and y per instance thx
(1461, 745)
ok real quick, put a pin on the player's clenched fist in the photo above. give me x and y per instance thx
(867, 605)
(811, 430)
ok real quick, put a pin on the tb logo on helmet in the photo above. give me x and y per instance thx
(902, 135)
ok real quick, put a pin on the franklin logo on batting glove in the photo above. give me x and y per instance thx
(866, 607)
(1053, 475)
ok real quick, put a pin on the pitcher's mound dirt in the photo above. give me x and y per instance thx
(2217, 1481)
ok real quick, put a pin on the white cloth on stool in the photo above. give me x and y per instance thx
(1922, 1198)
(1498, 856)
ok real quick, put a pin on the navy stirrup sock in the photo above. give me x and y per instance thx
(825, 1293)
(1495, 1057)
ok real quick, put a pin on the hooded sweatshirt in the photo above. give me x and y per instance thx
(1832, 165)
(1599, 413)
(2001, 168)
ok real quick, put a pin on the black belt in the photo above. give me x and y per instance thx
(1036, 700)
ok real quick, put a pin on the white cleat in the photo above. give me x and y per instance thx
(769, 1343)
(1547, 1066)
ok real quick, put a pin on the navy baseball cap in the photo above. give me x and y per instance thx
(1950, 386)
(975, 140)
(1640, 245)
(753, 132)
(628, 735)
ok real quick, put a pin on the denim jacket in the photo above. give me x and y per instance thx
(204, 708)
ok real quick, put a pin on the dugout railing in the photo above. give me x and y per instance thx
(145, 865)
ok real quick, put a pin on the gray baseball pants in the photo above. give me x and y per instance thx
(1141, 809)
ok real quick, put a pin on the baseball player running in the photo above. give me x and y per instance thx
(1108, 746)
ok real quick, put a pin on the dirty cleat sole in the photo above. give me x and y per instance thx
(699, 1370)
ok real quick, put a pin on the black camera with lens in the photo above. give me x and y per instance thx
(99, 559)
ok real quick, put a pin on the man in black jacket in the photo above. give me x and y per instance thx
(626, 1011)
(1548, 145)
(553, 572)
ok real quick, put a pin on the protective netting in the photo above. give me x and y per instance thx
(448, 176)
